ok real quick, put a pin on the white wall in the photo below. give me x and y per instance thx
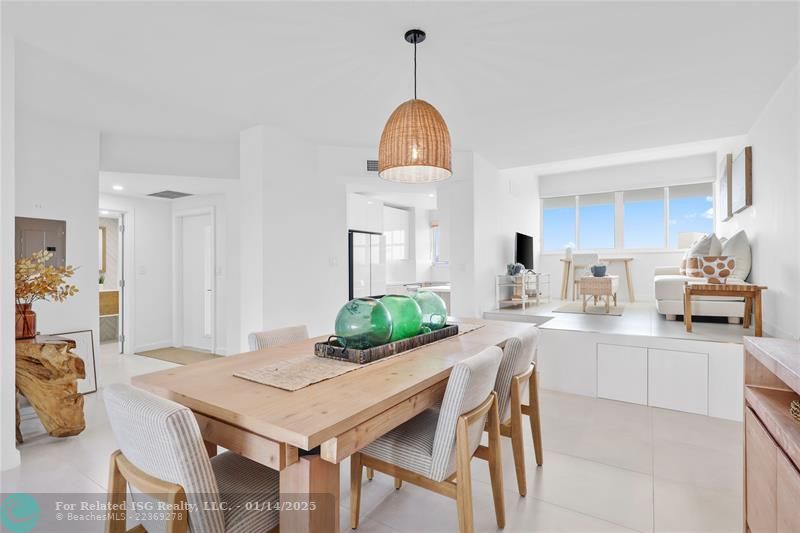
(423, 245)
(772, 222)
(634, 175)
(169, 157)
(57, 168)
(305, 235)
(227, 264)
(506, 202)
(456, 215)
(9, 456)
(148, 270)
(294, 232)
(252, 168)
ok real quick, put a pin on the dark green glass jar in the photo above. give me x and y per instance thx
(363, 323)
(406, 316)
(434, 310)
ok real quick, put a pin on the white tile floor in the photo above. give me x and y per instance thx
(640, 318)
(609, 466)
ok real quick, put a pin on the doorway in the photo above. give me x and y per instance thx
(111, 278)
(38, 234)
(194, 280)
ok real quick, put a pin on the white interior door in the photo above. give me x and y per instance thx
(197, 272)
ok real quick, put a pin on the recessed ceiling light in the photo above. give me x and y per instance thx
(431, 195)
(104, 212)
(117, 187)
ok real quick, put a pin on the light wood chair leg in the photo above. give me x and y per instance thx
(355, 488)
(398, 483)
(370, 474)
(516, 438)
(533, 415)
(117, 493)
(496, 464)
(463, 479)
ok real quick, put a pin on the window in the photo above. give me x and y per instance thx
(633, 219)
(644, 218)
(691, 212)
(596, 221)
(436, 237)
(395, 245)
(558, 219)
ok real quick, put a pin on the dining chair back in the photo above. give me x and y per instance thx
(275, 337)
(580, 265)
(161, 439)
(434, 450)
(470, 383)
(519, 354)
(517, 374)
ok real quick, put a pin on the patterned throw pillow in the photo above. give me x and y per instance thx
(690, 266)
(716, 269)
(707, 245)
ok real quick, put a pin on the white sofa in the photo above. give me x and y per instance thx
(669, 282)
(669, 297)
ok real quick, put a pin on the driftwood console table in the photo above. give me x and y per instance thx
(47, 375)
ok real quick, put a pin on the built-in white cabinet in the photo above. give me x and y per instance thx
(568, 362)
(700, 377)
(364, 213)
(678, 380)
(622, 373)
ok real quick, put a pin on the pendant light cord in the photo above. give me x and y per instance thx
(415, 69)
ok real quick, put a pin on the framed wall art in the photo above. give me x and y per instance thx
(724, 187)
(742, 181)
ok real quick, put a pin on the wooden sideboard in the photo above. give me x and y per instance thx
(772, 435)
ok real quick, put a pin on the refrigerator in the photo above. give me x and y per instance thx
(367, 264)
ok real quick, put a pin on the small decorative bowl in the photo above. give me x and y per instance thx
(598, 271)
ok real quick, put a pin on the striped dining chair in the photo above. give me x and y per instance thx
(162, 456)
(434, 449)
(275, 337)
(518, 372)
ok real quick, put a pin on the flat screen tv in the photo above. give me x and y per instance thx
(524, 250)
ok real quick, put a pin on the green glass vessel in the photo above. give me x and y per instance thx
(406, 316)
(434, 310)
(363, 323)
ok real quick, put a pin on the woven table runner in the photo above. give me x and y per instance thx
(299, 372)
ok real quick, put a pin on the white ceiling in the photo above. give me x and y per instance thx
(521, 83)
(144, 184)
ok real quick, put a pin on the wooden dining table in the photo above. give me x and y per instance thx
(305, 434)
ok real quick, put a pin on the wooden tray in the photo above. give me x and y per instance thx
(332, 350)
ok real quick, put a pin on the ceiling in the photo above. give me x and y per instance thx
(145, 184)
(522, 83)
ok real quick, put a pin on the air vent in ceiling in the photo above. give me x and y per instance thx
(171, 195)
(372, 165)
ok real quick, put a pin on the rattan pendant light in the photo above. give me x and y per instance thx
(415, 144)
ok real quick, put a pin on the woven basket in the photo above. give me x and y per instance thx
(332, 350)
